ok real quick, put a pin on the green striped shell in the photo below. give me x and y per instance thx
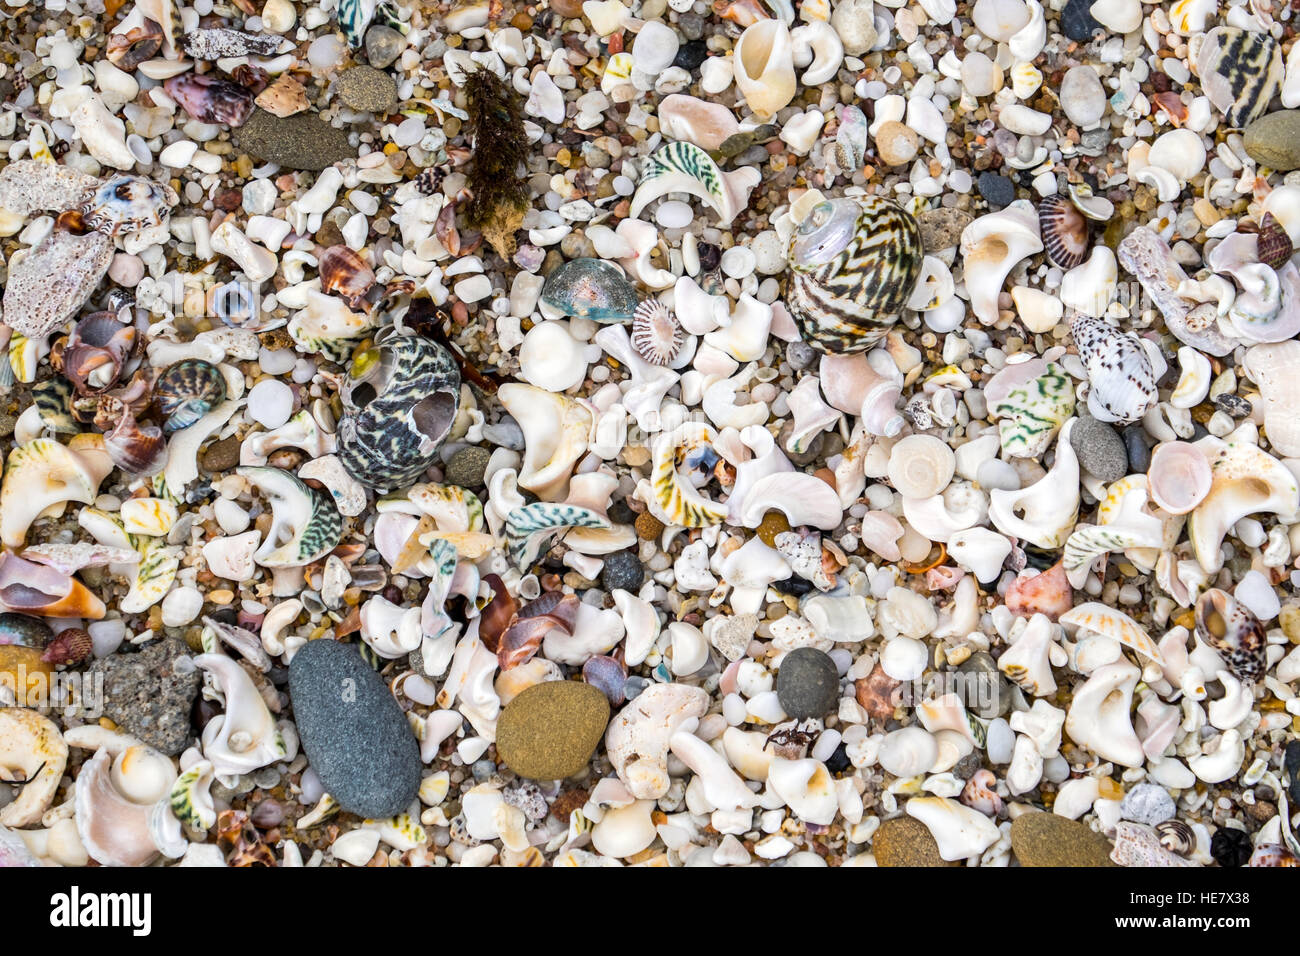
(853, 266)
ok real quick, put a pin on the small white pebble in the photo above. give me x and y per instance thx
(270, 403)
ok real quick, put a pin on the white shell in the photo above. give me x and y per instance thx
(908, 752)
(638, 737)
(244, 737)
(551, 358)
(807, 788)
(961, 832)
(1275, 368)
(852, 385)
(1048, 507)
(31, 748)
(764, 64)
(1098, 718)
(804, 499)
(921, 466)
(555, 430)
(991, 247)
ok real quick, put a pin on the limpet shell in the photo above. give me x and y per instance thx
(853, 266)
(1064, 230)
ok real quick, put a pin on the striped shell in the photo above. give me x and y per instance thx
(126, 204)
(656, 333)
(1273, 244)
(853, 265)
(1240, 72)
(187, 391)
(399, 404)
(1064, 230)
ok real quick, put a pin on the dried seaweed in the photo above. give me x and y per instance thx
(500, 194)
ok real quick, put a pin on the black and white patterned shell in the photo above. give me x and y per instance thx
(399, 404)
(853, 266)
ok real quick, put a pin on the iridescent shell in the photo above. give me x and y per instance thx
(590, 289)
(399, 403)
(96, 352)
(1230, 628)
(187, 391)
(853, 266)
(126, 204)
(50, 282)
(210, 99)
(1065, 231)
(24, 631)
(354, 17)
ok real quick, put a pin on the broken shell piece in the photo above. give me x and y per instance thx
(556, 429)
(685, 168)
(1245, 481)
(1230, 628)
(959, 831)
(804, 499)
(305, 524)
(191, 799)
(638, 737)
(1178, 477)
(682, 458)
(1109, 622)
(1148, 257)
(764, 63)
(1045, 512)
(1275, 368)
(300, 431)
(807, 788)
(530, 527)
(853, 386)
(991, 247)
(49, 283)
(43, 474)
(244, 736)
(1194, 380)
(116, 799)
(29, 588)
(1028, 662)
(34, 755)
(1031, 401)
(326, 325)
(1098, 718)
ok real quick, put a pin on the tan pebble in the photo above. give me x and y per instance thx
(221, 596)
(896, 143)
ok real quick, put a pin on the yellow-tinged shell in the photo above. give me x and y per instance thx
(853, 265)
(687, 447)
(44, 474)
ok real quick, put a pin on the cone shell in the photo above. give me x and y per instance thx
(853, 266)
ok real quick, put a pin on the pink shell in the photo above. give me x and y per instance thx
(1179, 477)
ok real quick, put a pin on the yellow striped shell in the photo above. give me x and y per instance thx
(853, 265)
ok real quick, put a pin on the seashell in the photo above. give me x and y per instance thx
(210, 99)
(764, 63)
(1245, 481)
(96, 352)
(1099, 619)
(853, 266)
(851, 139)
(818, 50)
(1273, 245)
(807, 788)
(399, 403)
(656, 333)
(1265, 310)
(1194, 380)
(29, 588)
(680, 459)
(1121, 374)
(1273, 854)
(390, 631)
(188, 390)
(124, 205)
(22, 631)
(1098, 717)
(1064, 231)
(1176, 836)
(590, 289)
(245, 736)
(191, 800)
(921, 466)
(49, 283)
(804, 499)
(32, 752)
(551, 358)
(326, 325)
(137, 450)
(685, 168)
(979, 793)
(980, 551)
(1045, 512)
(853, 386)
(529, 527)
(1274, 367)
(555, 430)
(116, 797)
(961, 507)
(1028, 662)
(624, 831)
(1137, 844)
(1222, 761)
(1240, 71)
(1178, 477)
(343, 271)
(1046, 593)
(1148, 257)
(1031, 401)
(129, 48)
(305, 525)
(43, 474)
(1123, 524)
(707, 125)
(991, 247)
(1090, 287)
(721, 785)
(811, 415)
(637, 740)
(960, 832)
(1230, 628)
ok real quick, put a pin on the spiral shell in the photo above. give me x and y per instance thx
(1064, 230)
(1179, 476)
(1230, 628)
(136, 449)
(210, 99)
(96, 351)
(1273, 245)
(343, 271)
(1121, 376)
(128, 50)
(1176, 836)
(187, 391)
(853, 266)
(400, 401)
(921, 466)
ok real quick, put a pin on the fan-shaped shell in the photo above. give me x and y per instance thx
(126, 204)
(1064, 230)
(853, 266)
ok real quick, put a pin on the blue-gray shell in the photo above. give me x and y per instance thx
(398, 412)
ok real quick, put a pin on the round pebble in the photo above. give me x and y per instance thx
(1100, 449)
(807, 684)
(623, 569)
(467, 466)
(550, 730)
(368, 89)
(996, 190)
(896, 143)
(1046, 839)
(270, 403)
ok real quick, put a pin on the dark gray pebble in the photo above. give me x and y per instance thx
(147, 697)
(1077, 20)
(808, 683)
(1138, 447)
(623, 569)
(1100, 449)
(997, 190)
(353, 732)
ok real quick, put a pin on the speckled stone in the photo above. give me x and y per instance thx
(1274, 140)
(302, 141)
(550, 731)
(996, 190)
(942, 228)
(353, 732)
(368, 89)
(467, 466)
(623, 569)
(1148, 803)
(221, 455)
(1077, 21)
(1047, 839)
(807, 684)
(904, 841)
(1100, 449)
(383, 46)
(146, 696)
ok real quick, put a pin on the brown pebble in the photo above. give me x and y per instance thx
(648, 527)
(1048, 839)
(551, 729)
(221, 455)
(905, 841)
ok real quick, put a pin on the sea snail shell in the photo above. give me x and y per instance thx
(853, 266)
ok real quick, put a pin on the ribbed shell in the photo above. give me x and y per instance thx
(847, 299)
(1064, 230)
(1273, 245)
(187, 391)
